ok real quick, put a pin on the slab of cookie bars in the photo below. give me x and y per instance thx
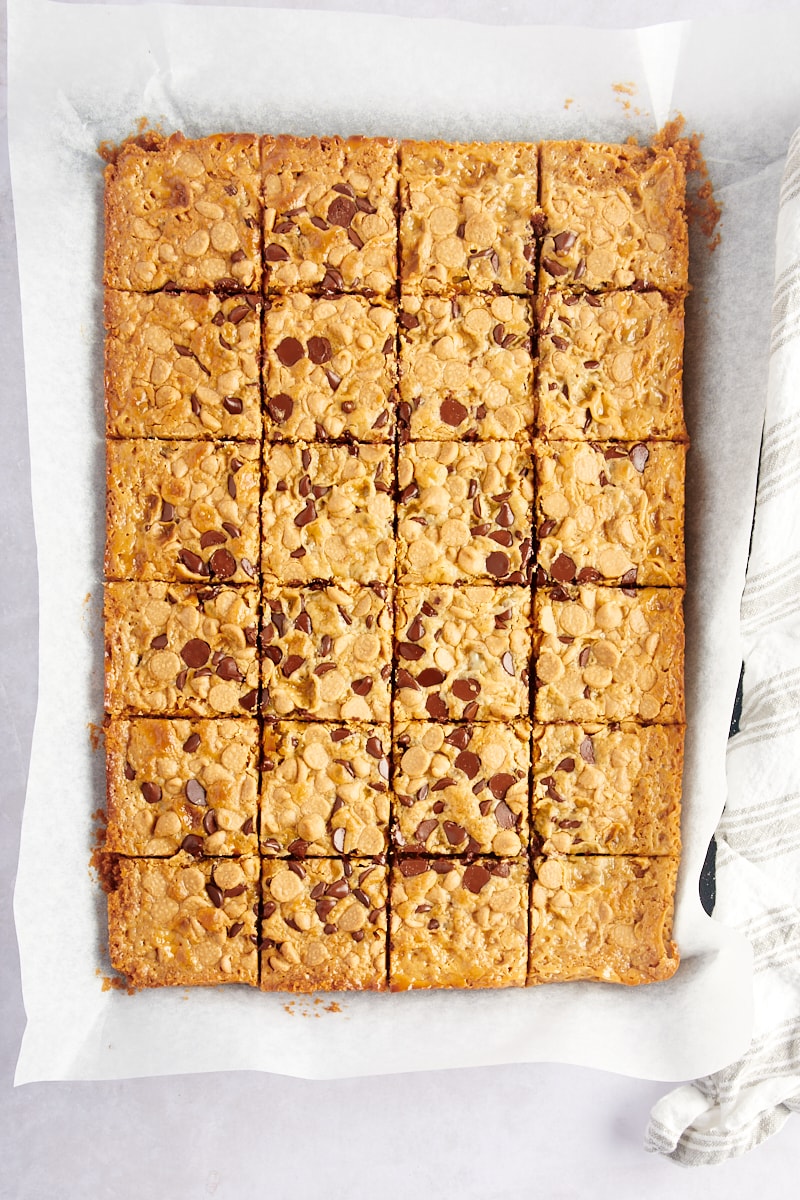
(175, 784)
(468, 216)
(609, 654)
(611, 513)
(180, 650)
(182, 511)
(327, 513)
(184, 214)
(326, 653)
(610, 366)
(600, 789)
(182, 922)
(456, 924)
(330, 214)
(330, 368)
(601, 918)
(464, 512)
(466, 367)
(462, 653)
(323, 925)
(461, 788)
(324, 789)
(182, 365)
(615, 217)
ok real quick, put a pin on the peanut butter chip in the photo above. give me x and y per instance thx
(285, 886)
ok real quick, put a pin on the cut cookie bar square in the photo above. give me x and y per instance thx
(600, 789)
(610, 366)
(182, 510)
(462, 653)
(180, 650)
(330, 214)
(611, 513)
(184, 215)
(324, 789)
(182, 922)
(330, 368)
(182, 365)
(601, 918)
(465, 512)
(323, 925)
(609, 654)
(458, 925)
(469, 216)
(181, 785)
(327, 653)
(461, 788)
(465, 367)
(328, 513)
(615, 217)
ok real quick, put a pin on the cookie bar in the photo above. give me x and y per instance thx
(615, 217)
(469, 215)
(601, 918)
(180, 650)
(466, 367)
(611, 513)
(182, 365)
(182, 510)
(323, 925)
(610, 366)
(330, 368)
(458, 925)
(462, 653)
(327, 513)
(465, 512)
(461, 788)
(181, 785)
(600, 789)
(325, 789)
(609, 654)
(181, 922)
(327, 653)
(330, 215)
(184, 215)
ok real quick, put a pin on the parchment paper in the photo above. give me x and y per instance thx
(82, 74)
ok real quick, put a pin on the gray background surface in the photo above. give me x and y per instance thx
(506, 1132)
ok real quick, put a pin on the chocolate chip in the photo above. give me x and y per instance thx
(210, 823)
(583, 657)
(362, 687)
(566, 764)
(159, 642)
(564, 241)
(503, 537)
(193, 845)
(628, 580)
(505, 516)
(497, 564)
(299, 848)
(275, 253)
(338, 889)
(307, 515)
(341, 211)
(408, 320)
(374, 747)
(196, 652)
(412, 866)
(560, 343)
(289, 351)
(460, 737)
(563, 569)
(195, 792)
(499, 784)
(151, 792)
(338, 838)
(546, 528)
(475, 877)
(214, 894)
(587, 575)
(223, 563)
(228, 669)
(431, 676)
(465, 689)
(504, 816)
(319, 350)
(469, 763)
(639, 456)
(212, 537)
(452, 412)
(436, 708)
(579, 273)
(409, 651)
(292, 664)
(507, 663)
(425, 829)
(406, 680)
(554, 268)
(193, 562)
(280, 407)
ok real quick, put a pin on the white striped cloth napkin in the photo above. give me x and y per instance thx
(758, 839)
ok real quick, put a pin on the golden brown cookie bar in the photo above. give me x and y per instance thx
(615, 217)
(462, 653)
(180, 650)
(330, 368)
(330, 220)
(609, 654)
(181, 785)
(610, 366)
(184, 214)
(465, 512)
(469, 213)
(458, 925)
(327, 513)
(601, 918)
(600, 789)
(323, 925)
(461, 788)
(611, 513)
(182, 510)
(327, 653)
(324, 789)
(182, 366)
(182, 922)
(466, 367)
